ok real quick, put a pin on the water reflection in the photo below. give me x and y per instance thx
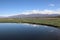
(13, 31)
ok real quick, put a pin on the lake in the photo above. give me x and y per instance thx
(24, 31)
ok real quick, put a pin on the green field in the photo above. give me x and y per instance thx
(48, 21)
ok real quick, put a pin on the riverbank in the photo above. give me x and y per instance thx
(55, 22)
(42, 24)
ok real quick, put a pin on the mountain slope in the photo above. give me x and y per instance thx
(34, 15)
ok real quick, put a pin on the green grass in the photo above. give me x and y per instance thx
(49, 21)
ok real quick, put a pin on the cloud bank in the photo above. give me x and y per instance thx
(41, 12)
(27, 12)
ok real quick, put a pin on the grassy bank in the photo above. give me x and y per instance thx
(45, 21)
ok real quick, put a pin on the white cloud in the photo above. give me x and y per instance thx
(52, 5)
(45, 11)
(41, 12)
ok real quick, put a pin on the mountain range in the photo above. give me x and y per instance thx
(35, 15)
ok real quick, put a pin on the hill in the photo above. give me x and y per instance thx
(35, 15)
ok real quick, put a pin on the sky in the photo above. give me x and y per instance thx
(15, 7)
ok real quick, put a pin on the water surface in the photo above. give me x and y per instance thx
(23, 31)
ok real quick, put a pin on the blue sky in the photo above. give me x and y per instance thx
(11, 7)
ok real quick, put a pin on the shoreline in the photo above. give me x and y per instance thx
(41, 24)
(34, 23)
